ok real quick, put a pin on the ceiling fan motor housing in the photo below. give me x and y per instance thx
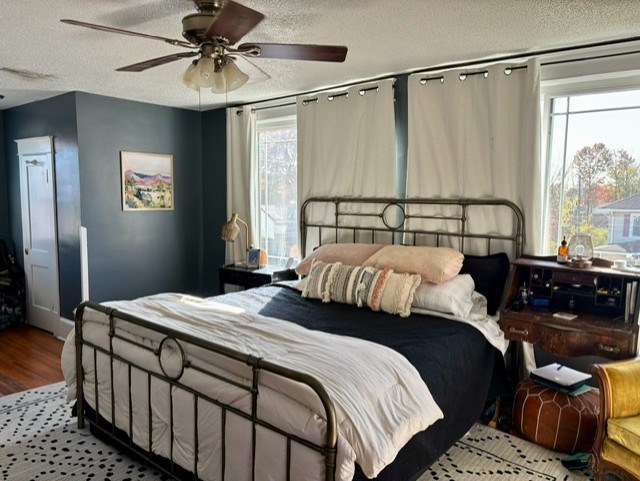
(209, 6)
(194, 26)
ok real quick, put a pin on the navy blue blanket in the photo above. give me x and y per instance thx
(453, 358)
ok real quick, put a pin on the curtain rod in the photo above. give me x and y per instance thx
(469, 63)
(308, 101)
(523, 67)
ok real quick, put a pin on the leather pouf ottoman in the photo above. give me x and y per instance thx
(556, 420)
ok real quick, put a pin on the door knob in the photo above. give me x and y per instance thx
(26, 252)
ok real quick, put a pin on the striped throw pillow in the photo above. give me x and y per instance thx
(319, 281)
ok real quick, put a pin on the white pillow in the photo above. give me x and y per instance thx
(453, 297)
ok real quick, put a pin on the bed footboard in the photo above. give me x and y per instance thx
(177, 341)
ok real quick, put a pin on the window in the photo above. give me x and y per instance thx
(277, 188)
(593, 171)
(636, 226)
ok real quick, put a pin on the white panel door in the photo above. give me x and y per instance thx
(39, 232)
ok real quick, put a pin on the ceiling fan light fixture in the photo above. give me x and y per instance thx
(205, 71)
(235, 77)
(187, 77)
(219, 83)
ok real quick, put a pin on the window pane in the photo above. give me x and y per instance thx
(598, 193)
(560, 105)
(278, 216)
(609, 100)
(555, 182)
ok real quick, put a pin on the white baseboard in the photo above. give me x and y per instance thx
(64, 328)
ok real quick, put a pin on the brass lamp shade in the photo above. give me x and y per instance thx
(230, 229)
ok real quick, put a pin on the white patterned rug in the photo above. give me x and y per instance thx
(490, 454)
(39, 440)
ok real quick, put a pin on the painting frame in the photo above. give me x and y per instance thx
(146, 181)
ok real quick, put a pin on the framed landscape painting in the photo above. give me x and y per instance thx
(147, 181)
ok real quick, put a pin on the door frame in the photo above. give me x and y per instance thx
(28, 147)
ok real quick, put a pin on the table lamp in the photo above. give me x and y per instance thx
(580, 250)
(230, 230)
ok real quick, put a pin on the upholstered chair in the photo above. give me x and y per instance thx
(617, 446)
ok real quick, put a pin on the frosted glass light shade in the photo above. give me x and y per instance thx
(235, 77)
(187, 77)
(205, 72)
(219, 83)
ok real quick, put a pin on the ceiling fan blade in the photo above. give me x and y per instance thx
(234, 22)
(180, 43)
(255, 73)
(321, 53)
(155, 62)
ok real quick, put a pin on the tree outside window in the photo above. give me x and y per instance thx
(594, 173)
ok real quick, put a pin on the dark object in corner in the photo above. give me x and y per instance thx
(577, 461)
(12, 290)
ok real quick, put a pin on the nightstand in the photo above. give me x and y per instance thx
(249, 277)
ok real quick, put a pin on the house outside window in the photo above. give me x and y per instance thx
(593, 171)
(277, 188)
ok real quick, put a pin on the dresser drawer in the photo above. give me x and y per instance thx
(582, 278)
(567, 341)
(575, 342)
(519, 331)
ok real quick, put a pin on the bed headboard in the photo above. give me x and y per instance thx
(486, 225)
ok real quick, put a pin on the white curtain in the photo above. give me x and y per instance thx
(241, 157)
(347, 144)
(478, 136)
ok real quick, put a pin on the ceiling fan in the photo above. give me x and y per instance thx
(210, 34)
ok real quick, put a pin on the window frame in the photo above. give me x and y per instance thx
(567, 87)
(279, 120)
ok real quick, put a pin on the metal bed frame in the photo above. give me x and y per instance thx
(346, 220)
(377, 212)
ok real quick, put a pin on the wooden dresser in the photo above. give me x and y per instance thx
(605, 302)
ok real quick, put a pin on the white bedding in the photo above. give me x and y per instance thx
(380, 399)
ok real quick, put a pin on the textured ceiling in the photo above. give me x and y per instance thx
(382, 37)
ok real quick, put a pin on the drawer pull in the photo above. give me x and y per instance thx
(520, 332)
(604, 348)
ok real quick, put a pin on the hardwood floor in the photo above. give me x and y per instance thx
(29, 358)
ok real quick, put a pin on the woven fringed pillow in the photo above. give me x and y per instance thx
(379, 289)
(318, 285)
(398, 293)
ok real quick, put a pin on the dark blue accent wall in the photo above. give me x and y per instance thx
(214, 194)
(133, 254)
(5, 233)
(56, 117)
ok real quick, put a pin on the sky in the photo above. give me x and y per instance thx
(616, 129)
